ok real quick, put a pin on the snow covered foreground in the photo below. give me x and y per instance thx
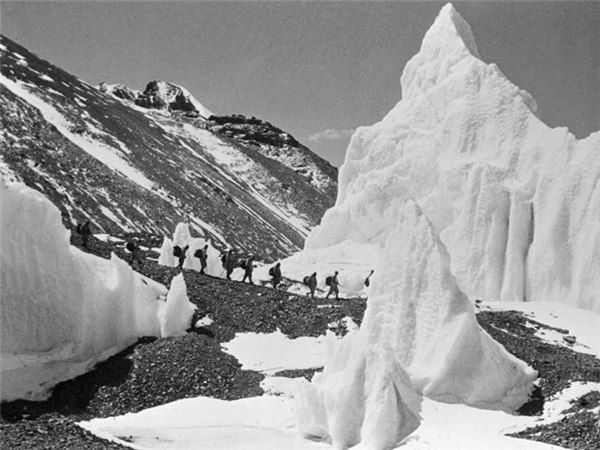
(516, 202)
(63, 310)
(269, 422)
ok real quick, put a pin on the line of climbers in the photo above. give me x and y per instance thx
(229, 261)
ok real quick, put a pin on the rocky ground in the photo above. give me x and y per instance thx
(158, 371)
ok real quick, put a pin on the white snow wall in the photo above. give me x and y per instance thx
(62, 309)
(517, 203)
(419, 337)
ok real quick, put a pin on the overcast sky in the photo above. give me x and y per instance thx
(316, 69)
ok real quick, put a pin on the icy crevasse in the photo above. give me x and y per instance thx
(63, 310)
(419, 337)
(516, 202)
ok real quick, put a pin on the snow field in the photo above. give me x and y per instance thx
(63, 310)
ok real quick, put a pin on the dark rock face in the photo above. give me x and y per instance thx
(96, 154)
(172, 97)
(263, 137)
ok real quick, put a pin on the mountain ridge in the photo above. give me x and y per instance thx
(133, 169)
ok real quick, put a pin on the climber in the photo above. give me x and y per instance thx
(85, 232)
(134, 250)
(202, 255)
(311, 282)
(181, 256)
(248, 267)
(229, 263)
(275, 272)
(333, 283)
(367, 281)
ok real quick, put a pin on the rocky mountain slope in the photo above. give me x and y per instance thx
(132, 161)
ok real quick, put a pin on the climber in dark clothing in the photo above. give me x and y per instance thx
(85, 231)
(333, 283)
(134, 250)
(182, 256)
(275, 272)
(248, 266)
(311, 282)
(230, 264)
(202, 255)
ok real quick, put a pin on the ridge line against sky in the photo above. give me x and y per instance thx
(315, 69)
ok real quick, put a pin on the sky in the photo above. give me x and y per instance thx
(315, 69)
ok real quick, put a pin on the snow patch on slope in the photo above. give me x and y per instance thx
(99, 150)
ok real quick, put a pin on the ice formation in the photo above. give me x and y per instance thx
(175, 315)
(182, 237)
(517, 203)
(419, 337)
(63, 310)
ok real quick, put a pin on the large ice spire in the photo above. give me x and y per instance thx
(419, 337)
(446, 44)
(509, 195)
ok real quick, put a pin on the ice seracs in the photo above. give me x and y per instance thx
(63, 310)
(419, 337)
(516, 202)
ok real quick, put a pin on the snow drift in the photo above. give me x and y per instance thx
(419, 337)
(63, 310)
(516, 202)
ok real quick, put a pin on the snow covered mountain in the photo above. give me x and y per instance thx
(516, 203)
(134, 161)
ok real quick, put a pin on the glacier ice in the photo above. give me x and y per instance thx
(517, 203)
(175, 315)
(419, 338)
(63, 310)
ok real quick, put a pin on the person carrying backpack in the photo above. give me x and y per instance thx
(333, 283)
(311, 282)
(182, 252)
(248, 267)
(275, 273)
(230, 264)
(202, 255)
(134, 252)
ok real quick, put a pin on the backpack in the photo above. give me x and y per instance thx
(272, 271)
(328, 281)
(306, 280)
(177, 251)
(224, 258)
(198, 253)
(130, 246)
